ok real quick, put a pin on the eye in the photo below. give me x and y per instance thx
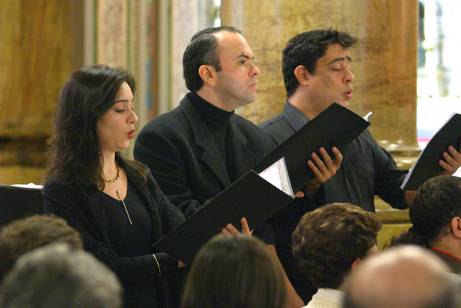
(242, 61)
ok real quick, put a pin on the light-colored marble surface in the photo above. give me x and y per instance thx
(384, 61)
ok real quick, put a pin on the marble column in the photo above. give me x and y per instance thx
(39, 49)
(384, 60)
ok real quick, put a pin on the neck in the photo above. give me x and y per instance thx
(109, 168)
(215, 99)
(304, 104)
(451, 245)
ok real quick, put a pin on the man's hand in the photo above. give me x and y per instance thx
(229, 229)
(451, 161)
(323, 168)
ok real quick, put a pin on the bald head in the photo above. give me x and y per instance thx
(405, 276)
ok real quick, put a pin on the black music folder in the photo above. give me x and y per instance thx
(18, 202)
(255, 198)
(251, 196)
(336, 126)
(427, 165)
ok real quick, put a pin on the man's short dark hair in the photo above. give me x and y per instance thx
(305, 49)
(329, 239)
(23, 235)
(202, 49)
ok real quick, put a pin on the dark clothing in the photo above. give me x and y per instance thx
(453, 262)
(185, 157)
(366, 170)
(81, 207)
(128, 239)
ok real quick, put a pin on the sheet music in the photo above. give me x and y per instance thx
(367, 116)
(277, 175)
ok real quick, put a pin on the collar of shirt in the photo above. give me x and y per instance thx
(296, 118)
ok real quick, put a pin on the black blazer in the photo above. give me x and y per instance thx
(80, 207)
(180, 152)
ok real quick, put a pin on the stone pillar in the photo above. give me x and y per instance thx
(384, 61)
(39, 49)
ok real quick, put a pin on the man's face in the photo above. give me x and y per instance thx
(236, 81)
(331, 81)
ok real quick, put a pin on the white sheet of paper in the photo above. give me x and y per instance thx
(277, 175)
(367, 116)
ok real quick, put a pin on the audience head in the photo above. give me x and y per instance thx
(435, 213)
(319, 60)
(57, 276)
(330, 240)
(24, 235)
(94, 114)
(406, 276)
(234, 272)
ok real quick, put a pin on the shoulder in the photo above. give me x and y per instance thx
(278, 128)
(65, 193)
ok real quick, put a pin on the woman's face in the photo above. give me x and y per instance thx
(116, 127)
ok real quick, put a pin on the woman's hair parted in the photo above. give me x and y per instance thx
(73, 149)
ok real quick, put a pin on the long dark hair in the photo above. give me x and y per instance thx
(234, 272)
(73, 149)
(438, 200)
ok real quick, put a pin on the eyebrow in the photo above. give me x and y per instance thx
(349, 59)
(243, 55)
(123, 100)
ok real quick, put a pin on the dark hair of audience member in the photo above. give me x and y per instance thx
(74, 149)
(202, 50)
(23, 235)
(234, 272)
(58, 276)
(328, 240)
(438, 200)
(305, 49)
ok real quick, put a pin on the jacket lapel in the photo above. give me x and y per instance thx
(203, 139)
(243, 158)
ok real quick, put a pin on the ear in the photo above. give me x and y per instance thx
(302, 75)
(208, 74)
(456, 227)
(355, 264)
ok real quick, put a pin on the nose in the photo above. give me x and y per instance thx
(349, 75)
(255, 71)
(133, 117)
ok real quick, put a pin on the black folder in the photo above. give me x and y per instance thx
(251, 196)
(336, 126)
(427, 165)
(255, 198)
(19, 202)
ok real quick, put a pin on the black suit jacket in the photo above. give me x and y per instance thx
(181, 154)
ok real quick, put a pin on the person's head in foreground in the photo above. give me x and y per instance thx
(58, 276)
(405, 276)
(234, 272)
(331, 240)
(23, 235)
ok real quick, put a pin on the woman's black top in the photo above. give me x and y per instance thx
(86, 210)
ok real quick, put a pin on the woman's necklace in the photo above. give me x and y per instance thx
(117, 176)
(124, 207)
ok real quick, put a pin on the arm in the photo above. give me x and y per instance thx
(388, 179)
(61, 202)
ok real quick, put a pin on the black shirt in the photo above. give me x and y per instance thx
(128, 239)
(218, 122)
